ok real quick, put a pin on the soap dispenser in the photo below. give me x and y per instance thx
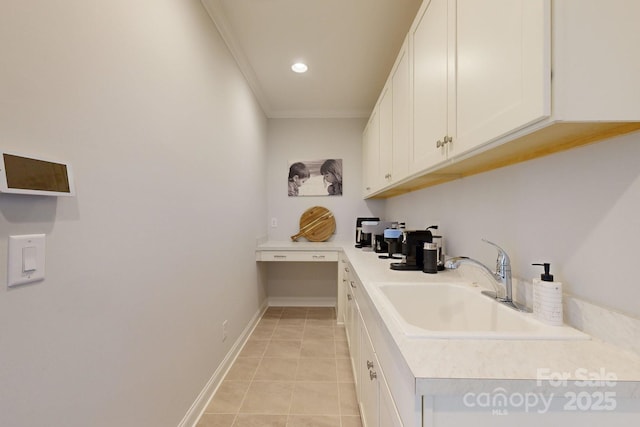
(547, 298)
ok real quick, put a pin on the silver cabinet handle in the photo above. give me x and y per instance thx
(369, 364)
(280, 256)
(318, 256)
(349, 297)
(444, 141)
(372, 375)
(352, 285)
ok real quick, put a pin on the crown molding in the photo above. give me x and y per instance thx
(319, 114)
(217, 14)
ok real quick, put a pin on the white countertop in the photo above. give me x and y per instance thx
(439, 365)
(301, 246)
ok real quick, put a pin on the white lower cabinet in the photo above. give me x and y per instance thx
(376, 403)
(377, 407)
(389, 416)
(343, 284)
(390, 395)
(369, 382)
(352, 328)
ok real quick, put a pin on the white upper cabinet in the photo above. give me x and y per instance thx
(387, 149)
(496, 82)
(431, 89)
(376, 144)
(371, 154)
(503, 68)
(480, 70)
(400, 83)
(386, 136)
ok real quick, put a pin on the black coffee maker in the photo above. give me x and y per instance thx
(380, 245)
(412, 250)
(393, 239)
(363, 239)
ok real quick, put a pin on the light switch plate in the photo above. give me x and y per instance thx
(23, 270)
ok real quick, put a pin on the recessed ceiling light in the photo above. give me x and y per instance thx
(299, 67)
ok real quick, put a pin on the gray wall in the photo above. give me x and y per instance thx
(147, 104)
(313, 139)
(579, 210)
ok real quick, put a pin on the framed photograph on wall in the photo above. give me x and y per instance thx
(315, 177)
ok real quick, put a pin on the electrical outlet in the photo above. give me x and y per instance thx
(274, 222)
(224, 330)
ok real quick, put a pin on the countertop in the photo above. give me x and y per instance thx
(302, 246)
(450, 366)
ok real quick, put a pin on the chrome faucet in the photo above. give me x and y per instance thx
(502, 275)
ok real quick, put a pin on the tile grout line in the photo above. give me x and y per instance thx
(297, 369)
(244, 397)
(251, 381)
(262, 357)
(335, 350)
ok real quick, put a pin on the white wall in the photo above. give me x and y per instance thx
(579, 210)
(147, 104)
(312, 139)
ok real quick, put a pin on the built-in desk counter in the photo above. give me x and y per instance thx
(286, 246)
(299, 251)
(314, 252)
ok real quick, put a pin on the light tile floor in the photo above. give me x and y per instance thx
(294, 371)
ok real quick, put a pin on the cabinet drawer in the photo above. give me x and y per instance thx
(297, 256)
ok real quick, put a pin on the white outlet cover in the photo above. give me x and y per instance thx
(21, 270)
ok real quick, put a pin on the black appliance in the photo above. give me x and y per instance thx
(393, 238)
(412, 249)
(361, 238)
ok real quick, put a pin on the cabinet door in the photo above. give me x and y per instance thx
(369, 403)
(429, 43)
(352, 328)
(400, 116)
(503, 68)
(386, 137)
(388, 416)
(343, 284)
(371, 153)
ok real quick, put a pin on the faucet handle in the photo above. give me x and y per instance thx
(503, 258)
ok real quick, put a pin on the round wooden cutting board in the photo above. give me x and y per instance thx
(317, 224)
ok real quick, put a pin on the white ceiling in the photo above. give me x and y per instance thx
(349, 45)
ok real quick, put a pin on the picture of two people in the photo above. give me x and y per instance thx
(315, 178)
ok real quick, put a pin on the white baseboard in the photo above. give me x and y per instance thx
(302, 301)
(202, 401)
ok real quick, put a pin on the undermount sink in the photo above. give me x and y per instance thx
(450, 310)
